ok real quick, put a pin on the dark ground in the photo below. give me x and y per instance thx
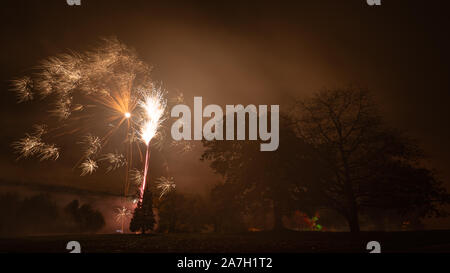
(259, 242)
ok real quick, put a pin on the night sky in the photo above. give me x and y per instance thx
(257, 52)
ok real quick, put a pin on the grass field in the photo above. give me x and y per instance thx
(259, 242)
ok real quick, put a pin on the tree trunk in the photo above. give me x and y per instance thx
(352, 218)
(353, 223)
(277, 217)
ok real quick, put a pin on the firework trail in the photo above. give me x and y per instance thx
(154, 107)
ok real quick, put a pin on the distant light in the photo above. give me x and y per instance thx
(127, 115)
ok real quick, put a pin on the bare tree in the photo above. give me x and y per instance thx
(361, 157)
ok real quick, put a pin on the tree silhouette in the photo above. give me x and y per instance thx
(9, 207)
(364, 163)
(143, 217)
(37, 214)
(252, 176)
(40, 214)
(183, 213)
(227, 207)
(335, 153)
(85, 218)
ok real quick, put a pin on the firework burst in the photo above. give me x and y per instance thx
(28, 146)
(165, 185)
(49, 152)
(88, 167)
(103, 100)
(137, 176)
(92, 145)
(115, 161)
(122, 214)
(32, 145)
(23, 88)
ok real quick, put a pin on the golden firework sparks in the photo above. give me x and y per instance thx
(104, 99)
(88, 166)
(165, 185)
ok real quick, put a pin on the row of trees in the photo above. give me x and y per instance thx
(335, 153)
(38, 214)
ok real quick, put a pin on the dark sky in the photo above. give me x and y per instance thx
(258, 52)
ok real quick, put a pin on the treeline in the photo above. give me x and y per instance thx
(39, 214)
(336, 154)
(339, 166)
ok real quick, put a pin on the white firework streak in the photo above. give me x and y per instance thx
(88, 167)
(165, 185)
(78, 107)
(154, 106)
